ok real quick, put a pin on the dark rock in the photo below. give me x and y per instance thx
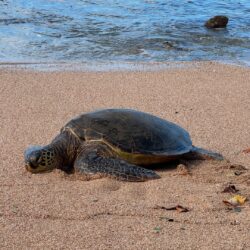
(168, 45)
(217, 22)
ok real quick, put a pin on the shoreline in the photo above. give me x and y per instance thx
(111, 66)
(54, 210)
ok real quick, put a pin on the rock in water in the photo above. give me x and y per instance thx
(217, 22)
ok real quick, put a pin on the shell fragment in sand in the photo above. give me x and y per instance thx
(237, 200)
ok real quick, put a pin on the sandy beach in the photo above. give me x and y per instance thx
(56, 211)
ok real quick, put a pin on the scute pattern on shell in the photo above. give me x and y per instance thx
(132, 131)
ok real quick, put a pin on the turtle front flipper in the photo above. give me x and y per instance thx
(97, 159)
(203, 154)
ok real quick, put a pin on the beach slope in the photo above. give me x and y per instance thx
(57, 211)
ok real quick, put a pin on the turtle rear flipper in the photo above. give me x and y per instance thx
(203, 154)
(98, 160)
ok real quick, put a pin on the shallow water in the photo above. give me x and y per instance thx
(122, 31)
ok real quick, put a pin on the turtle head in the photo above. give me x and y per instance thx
(39, 159)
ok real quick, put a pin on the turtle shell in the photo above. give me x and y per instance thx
(132, 131)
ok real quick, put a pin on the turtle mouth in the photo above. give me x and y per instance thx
(37, 170)
(29, 168)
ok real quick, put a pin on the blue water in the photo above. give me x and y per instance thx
(122, 31)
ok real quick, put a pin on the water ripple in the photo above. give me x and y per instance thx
(132, 30)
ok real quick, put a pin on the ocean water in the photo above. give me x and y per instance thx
(91, 31)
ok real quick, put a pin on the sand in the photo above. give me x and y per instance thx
(56, 211)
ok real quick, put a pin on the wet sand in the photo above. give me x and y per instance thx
(56, 211)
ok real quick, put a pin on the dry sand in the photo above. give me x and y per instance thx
(54, 211)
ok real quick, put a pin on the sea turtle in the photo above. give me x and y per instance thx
(118, 143)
